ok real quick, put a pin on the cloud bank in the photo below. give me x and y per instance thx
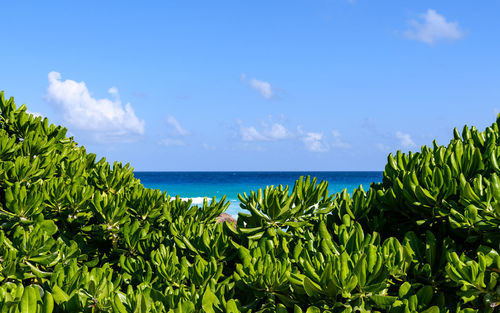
(312, 141)
(107, 119)
(273, 132)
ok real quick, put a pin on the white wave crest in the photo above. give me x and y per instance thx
(196, 200)
(199, 200)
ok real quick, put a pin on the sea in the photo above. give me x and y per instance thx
(198, 185)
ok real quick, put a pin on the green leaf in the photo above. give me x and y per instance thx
(468, 310)
(351, 284)
(141, 304)
(313, 309)
(383, 301)
(312, 289)
(281, 308)
(425, 295)
(49, 226)
(296, 224)
(296, 309)
(28, 301)
(48, 303)
(118, 305)
(208, 301)
(231, 307)
(59, 295)
(186, 306)
(403, 289)
(490, 254)
(430, 248)
(432, 309)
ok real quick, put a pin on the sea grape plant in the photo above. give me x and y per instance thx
(81, 235)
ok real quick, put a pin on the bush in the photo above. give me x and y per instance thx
(78, 235)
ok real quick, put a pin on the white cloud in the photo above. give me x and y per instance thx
(251, 134)
(35, 114)
(433, 28)
(106, 118)
(315, 142)
(176, 127)
(175, 133)
(338, 142)
(113, 91)
(270, 133)
(277, 131)
(264, 88)
(405, 139)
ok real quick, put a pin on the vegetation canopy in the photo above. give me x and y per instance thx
(79, 235)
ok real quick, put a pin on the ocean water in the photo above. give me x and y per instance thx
(197, 185)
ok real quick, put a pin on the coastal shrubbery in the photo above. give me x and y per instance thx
(79, 235)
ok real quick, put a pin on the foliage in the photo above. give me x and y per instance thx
(79, 235)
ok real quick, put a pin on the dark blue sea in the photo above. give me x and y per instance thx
(197, 185)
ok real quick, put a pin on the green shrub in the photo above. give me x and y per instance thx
(79, 235)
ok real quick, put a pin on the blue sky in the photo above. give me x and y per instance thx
(254, 85)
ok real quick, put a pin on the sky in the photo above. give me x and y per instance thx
(313, 85)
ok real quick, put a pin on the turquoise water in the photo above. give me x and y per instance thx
(197, 185)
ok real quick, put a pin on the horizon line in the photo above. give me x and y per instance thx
(255, 171)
